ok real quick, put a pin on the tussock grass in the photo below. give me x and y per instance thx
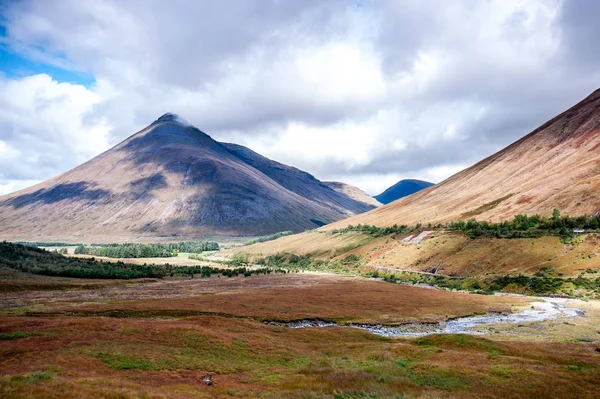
(32, 378)
(87, 354)
(14, 335)
(458, 341)
(501, 371)
(440, 379)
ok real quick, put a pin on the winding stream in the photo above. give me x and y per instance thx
(547, 309)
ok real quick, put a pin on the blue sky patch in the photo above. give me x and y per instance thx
(14, 65)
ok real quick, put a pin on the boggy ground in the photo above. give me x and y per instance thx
(158, 339)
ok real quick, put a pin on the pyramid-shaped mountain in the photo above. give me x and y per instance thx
(173, 180)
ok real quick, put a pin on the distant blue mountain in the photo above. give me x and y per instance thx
(402, 189)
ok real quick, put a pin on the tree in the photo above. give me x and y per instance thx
(81, 249)
(555, 214)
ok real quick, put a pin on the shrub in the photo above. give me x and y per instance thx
(14, 335)
(269, 237)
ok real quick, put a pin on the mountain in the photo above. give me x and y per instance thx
(352, 192)
(555, 166)
(172, 180)
(304, 184)
(401, 189)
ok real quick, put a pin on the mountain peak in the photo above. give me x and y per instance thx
(172, 117)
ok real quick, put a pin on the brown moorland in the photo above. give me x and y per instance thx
(308, 296)
(56, 346)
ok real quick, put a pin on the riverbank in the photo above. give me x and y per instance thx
(539, 311)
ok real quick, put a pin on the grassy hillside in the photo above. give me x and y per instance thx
(555, 166)
(546, 263)
(451, 253)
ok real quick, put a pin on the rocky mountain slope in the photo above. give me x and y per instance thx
(170, 180)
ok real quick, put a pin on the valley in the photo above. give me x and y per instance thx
(160, 338)
(177, 266)
(299, 199)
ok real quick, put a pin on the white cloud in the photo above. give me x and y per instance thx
(369, 94)
(339, 72)
(46, 127)
(9, 186)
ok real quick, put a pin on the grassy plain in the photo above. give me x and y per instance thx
(159, 338)
(181, 260)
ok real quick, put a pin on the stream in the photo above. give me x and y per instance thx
(548, 309)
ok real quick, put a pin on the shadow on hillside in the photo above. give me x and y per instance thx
(77, 191)
(142, 187)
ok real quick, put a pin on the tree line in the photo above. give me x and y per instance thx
(521, 226)
(158, 250)
(34, 260)
(270, 237)
(544, 282)
(524, 226)
(375, 231)
(45, 244)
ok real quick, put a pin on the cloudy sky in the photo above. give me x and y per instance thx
(362, 91)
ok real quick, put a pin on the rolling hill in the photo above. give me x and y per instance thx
(171, 181)
(402, 189)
